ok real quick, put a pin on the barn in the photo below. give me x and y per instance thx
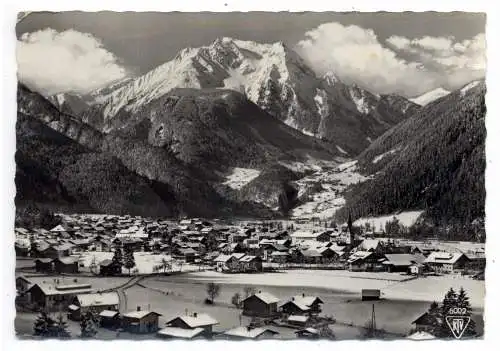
(261, 304)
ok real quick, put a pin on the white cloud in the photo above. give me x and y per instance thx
(356, 55)
(69, 61)
(406, 66)
(456, 63)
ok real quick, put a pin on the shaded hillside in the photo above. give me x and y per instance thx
(273, 188)
(215, 129)
(434, 161)
(54, 170)
(167, 176)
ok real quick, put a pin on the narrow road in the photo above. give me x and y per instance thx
(122, 296)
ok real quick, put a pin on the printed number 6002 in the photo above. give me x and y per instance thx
(457, 311)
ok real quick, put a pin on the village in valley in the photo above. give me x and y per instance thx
(109, 277)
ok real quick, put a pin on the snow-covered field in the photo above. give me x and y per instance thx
(325, 202)
(240, 177)
(144, 261)
(407, 219)
(392, 285)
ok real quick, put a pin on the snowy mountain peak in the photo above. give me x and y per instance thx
(271, 75)
(430, 96)
(330, 78)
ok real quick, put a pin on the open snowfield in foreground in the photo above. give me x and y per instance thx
(391, 285)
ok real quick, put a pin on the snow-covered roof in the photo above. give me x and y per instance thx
(266, 297)
(311, 253)
(369, 244)
(301, 319)
(358, 255)
(443, 257)
(73, 307)
(306, 300)
(248, 333)
(52, 289)
(108, 313)
(403, 259)
(132, 232)
(305, 234)
(98, 299)
(201, 320)
(309, 330)
(237, 255)
(247, 258)
(67, 260)
(421, 335)
(58, 228)
(299, 305)
(139, 314)
(180, 332)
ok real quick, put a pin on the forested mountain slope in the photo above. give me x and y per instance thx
(433, 161)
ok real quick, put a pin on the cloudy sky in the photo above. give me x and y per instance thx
(404, 53)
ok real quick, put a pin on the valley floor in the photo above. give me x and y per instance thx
(402, 300)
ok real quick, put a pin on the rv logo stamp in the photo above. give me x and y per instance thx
(457, 321)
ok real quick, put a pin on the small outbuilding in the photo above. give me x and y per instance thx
(141, 322)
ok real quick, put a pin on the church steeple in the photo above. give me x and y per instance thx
(349, 227)
(349, 222)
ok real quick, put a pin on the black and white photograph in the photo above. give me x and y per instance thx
(250, 175)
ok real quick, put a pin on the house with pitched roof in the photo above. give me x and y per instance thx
(250, 263)
(402, 262)
(51, 296)
(95, 303)
(141, 321)
(261, 304)
(66, 265)
(302, 304)
(445, 262)
(248, 333)
(193, 322)
(364, 261)
(44, 265)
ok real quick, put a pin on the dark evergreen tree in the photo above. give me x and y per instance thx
(449, 302)
(43, 325)
(435, 318)
(33, 247)
(117, 259)
(463, 302)
(129, 261)
(88, 325)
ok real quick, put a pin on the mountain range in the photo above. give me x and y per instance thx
(234, 128)
(272, 76)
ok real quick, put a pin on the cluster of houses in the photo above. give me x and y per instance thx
(241, 247)
(76, 299)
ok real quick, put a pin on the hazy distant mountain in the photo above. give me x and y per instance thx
(272, 76)
(433, 161)
(430, 96)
